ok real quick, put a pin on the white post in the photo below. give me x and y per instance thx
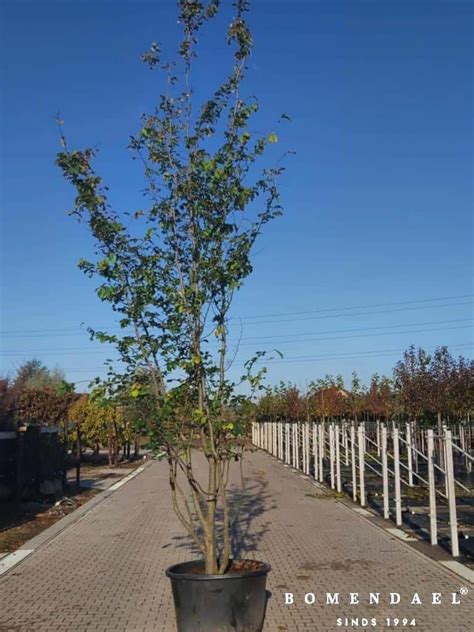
(432, 489)
(297, 445)
(338, 459)
(308, 450)
(378, 436)
(398, 491)
(303, 448)
(386, 497)
(414, 443)
(446, 483)
(353, 458)
(409, 454)
(361, 442)
(287, 444)
(321, 451)
(315, 451)
(331, 454)
(324, 442)
(462, 440)
(346, 443)
(294, 438)
(468, 443)
(453, 521)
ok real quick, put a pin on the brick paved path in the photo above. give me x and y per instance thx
(105, 572)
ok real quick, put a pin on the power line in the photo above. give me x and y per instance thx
(77, 331)
(338, 309)
(271, 339)
(369, 313)
(333, 331)
(355, 355)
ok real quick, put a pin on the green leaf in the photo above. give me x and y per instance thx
(272, 138)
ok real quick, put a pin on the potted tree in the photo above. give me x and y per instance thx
(171, 272)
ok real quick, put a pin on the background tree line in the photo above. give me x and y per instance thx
(422, 387)
(106, 418)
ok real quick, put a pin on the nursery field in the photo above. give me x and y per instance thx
(419, 478)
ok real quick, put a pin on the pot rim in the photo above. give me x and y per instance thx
(179, 571)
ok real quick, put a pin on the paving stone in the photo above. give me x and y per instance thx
(106, 571)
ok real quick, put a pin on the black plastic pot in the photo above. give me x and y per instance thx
(234, 602)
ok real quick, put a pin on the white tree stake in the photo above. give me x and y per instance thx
(361, 442)
(453, 522)
(432, 488)
(353, 458)
(338, 460)
(409, 454)
(315, 450)
(386, 497)
(398, 493)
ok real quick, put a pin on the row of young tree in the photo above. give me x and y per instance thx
(422, 387)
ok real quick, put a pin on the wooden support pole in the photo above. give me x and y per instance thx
(386, 492)
(432, 488)
(287, 444)
(378, 436)
(453, 522)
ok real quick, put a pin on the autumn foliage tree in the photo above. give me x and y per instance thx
(423, 386)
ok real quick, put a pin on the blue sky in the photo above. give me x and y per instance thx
(374, 251)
